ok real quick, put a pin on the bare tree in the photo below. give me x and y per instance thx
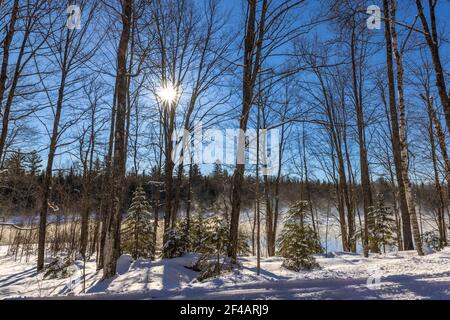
(30, 17)
(112, 240)
(396, 143)
(431, 37)
(402, 132)
(70, 52)
(6, 49)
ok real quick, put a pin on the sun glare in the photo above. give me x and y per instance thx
(168, 93)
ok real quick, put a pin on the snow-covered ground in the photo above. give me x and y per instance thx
(342, 276)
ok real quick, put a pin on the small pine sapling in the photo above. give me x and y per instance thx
(137, 230)
(176, 243)
(298, 241)
(432, 241)
(383, 226)
(213, 247)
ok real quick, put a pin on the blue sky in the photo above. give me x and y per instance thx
(406, 13)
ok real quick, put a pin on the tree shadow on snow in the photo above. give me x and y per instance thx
(424, 286)
(171, 279)
(14, 278)
(101, 286)
(268, 274)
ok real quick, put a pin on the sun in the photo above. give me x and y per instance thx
(168, 93)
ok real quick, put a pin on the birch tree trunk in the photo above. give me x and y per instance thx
(406, 221)
(403, 139)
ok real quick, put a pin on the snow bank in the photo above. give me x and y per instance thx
(124, 264)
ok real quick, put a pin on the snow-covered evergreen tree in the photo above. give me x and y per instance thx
(198, 234)
(176, 242)
(180, 240)
(211, 234)
(383, 227)
(298, 241)
(432, 241)
(211, 237)
(137, 230)
(207, 236)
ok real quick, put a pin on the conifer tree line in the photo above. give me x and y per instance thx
(88, 126)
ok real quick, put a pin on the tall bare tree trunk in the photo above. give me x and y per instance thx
(434, 122)
(406, 221)
(315, 224)
(48, 172)
(349, 191)
(112, 240)
(251, 70)
(189, 199)
(343, 190)
(51, 154)
(440, 135)
(390, 165)
(340, 199)
(403, 139)
(272, 202)
(441, 208)
(257, 197)
(169, 127)
(87, 176)
(106, 183)
(364, 165)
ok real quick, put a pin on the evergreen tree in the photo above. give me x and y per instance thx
(197, 233)
(207, 236)
(34, 163)
(98, 166)
(382, 227)
(210, 238)
(176, 243)
(432, 241)
(298, 242)
(137, 231)
(196, 175)
(15, 163)
(217, 171)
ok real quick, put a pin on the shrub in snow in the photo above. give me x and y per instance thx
(298, 241)
(432, 241)
(60, 268)
(382, 225)
(211, 266)
(137, 228)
